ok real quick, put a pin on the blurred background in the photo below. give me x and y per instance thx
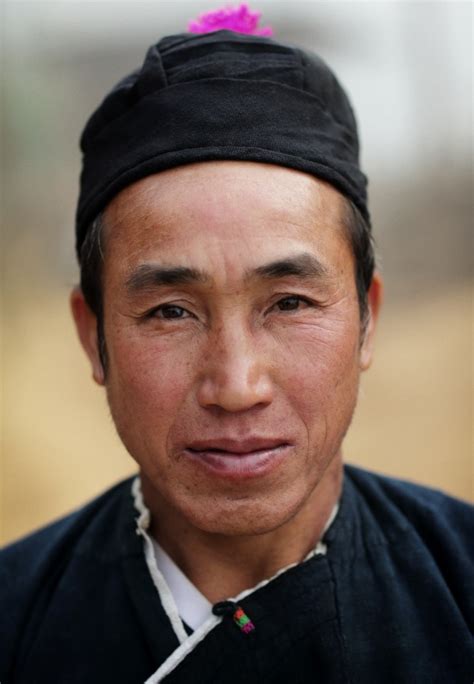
(408, 69)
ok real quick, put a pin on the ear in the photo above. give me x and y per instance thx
(374, 302)
(86, 326)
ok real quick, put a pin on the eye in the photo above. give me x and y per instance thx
(291, 303)
(168, 312)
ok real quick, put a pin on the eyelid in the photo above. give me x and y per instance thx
(293, 295)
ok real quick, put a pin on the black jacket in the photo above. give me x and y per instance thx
(391, 601)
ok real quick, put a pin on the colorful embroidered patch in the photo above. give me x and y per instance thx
(243, 621)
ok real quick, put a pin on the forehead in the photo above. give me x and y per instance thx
(222, 205)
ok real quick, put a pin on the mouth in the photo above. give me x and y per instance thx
(239, 460)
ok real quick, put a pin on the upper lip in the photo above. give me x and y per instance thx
(237, 446)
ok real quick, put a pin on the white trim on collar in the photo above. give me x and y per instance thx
(167, 600)
(189, 643)
(193, 607)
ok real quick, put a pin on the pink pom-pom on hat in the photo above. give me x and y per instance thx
(239, 19)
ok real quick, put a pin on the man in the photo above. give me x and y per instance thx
(228, 303)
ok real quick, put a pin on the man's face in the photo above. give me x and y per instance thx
(233, 338)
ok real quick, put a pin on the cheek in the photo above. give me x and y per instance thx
(322, 370)
(148, 379)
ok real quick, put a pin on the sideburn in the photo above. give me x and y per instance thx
(101, 342)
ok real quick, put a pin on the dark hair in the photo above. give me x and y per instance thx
(357, 230)
(91, 259)
(361, 241)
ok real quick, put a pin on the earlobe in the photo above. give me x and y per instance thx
(86, 326)
(374, 303)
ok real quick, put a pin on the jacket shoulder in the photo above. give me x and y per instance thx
(431, 511)
(424, 527)
(31, 567)
(35, 547)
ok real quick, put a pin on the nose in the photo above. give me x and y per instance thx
(234, 373)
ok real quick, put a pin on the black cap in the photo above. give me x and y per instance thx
(220, 95)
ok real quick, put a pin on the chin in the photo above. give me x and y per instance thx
(242, 517)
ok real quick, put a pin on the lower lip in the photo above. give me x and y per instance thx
(240, 466)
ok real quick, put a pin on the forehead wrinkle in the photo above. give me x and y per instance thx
(137, 222)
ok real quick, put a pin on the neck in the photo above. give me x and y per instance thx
(223, 566)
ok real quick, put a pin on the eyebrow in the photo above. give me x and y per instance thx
(151, 276)
(302, 265)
